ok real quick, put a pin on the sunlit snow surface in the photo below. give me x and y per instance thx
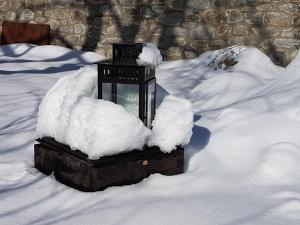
(242, 165)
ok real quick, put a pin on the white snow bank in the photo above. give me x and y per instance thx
(70, 113)
(150, 55)
(221, 88)
(173, 124)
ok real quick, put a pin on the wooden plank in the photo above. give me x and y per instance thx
(16, 32)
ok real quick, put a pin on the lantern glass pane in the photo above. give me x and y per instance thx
(128, 97)
(150, 103)
(107, 91)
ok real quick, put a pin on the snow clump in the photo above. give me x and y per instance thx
(150, 56)
(100, 128)
(173, 124)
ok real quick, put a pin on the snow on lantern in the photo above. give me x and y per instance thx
(125, 82)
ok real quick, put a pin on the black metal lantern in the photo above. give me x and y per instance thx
(124, 82)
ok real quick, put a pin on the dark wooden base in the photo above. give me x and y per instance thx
(74, 169)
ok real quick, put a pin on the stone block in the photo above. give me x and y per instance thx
(252, 17)
(11, 15)
(58, 14)
(170, 19)
(177, 31)
(108, 10)
(178, 4)
(79, 28)
(146, 12)
(266, 7)
(285, 42)
(242, 2)
(218, 43)
(277, 19)
(220, 3)
(3, 4)
(199, 44)
(213, 16)
(40, 19)
(54, 24)
(289, 32)
(223, 29)
(73, 39)
(240, 29)
(191, 18)
(180, 41)
(203, 32)
(198, 5)
(26, 15)
(289, 8)
(238, 40)
(78, 15)
(267, 44)
(296, 21)
(263, 32)
(234, 16)
(2, 15)
(37, 3)
(175, 53)
(66, 29)
(190, 54)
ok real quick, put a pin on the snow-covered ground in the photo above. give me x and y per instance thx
(242, 165)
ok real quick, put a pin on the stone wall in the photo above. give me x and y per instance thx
(181, 28)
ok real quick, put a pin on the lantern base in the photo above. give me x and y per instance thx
(74, 169)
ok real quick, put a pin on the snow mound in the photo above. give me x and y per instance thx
(173, 124)
(280, 163)
(222, 88)
(100, 128)
(71, 114)
(150, 55)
